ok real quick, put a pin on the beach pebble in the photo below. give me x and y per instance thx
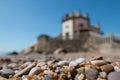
(6, 72)
(91, 73)
(103, 75)
(117, 68)
(81, 77)
(80, 70)
(98, 62)
(97, 58)
(25, 70)
(80, 60)
(46, 77)
(35, 71)
(73, 64)
(13, 65)
(107, 68)
(114, 76)
(25, 65)
(48, 72)
(101, 79)
(61, 63)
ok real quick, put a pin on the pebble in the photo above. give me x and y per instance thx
(107, 68)
(25, 70)
(98, 62)
(91, 73)
(80, 60)
(6, 73)
(13, 65)
(117, 68)
(101, 79)
(80, 70)
(61, 63)
(97, 58)
(103, 75)
(60, 69)
(114, 76)
(46, 77)
(81, 77)
(35, 71)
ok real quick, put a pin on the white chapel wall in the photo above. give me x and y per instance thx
(67, 27)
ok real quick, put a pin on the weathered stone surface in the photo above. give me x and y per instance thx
(91, 73)
(76, 62)
(101, 79)
(98, 62)
(97, 58)
(103, 75)
(80, 60)
(117, 68)
(61, 63)
(35, 71)
(25, 65)
(13, 65)
(73, 64)
(48, 72)
(55, 76)
(80, 70)
(46, 77)
(81, 77)
(107, 68)
(6, 72)
(25, 70)
(114, 76)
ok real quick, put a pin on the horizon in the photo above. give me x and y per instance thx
(21, 22)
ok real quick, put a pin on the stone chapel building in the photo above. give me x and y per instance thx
(77, 35)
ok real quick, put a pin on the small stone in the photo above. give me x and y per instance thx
(103, 75)
(101, 79)
(44, 67)
(73, 73)
(63, 77)
(117, 68)
(25, 70)
(35, 71)
(80, 60)
(65, 69)
(55, 76)
(91, 73)
(114, 76)
(61, 63)
(81, 77)
(80, 70)
(73, 64)
(107, 68)
(46, 77)
(6, 72)
(48, 72)
(41, 64)
(12, 65)
(97, 58)
(25, 65)
(98, 62)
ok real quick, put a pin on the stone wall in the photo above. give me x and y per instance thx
(52, 44)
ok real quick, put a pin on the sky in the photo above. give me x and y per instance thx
(22, 21)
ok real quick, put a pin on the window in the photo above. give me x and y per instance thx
(81, 25)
